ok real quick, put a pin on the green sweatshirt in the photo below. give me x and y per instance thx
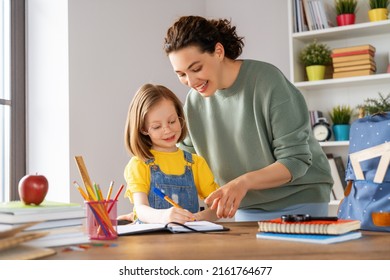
(260, 119)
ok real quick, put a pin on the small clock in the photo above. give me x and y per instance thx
(321, 130)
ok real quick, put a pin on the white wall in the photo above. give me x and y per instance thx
(48, 94)
(88, 57)
(262, 23)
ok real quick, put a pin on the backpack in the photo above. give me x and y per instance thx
(367, 195)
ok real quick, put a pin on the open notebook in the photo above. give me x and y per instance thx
(197, 226)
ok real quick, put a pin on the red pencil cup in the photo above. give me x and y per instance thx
(101, 219)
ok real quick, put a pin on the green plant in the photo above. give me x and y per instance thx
(375, 105)
(378, 4)
(341, 114)
(345, 6)
(316, 54)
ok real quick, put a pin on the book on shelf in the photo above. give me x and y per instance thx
(354, 48)
(315, 14)
(299, 18)
(341, 170)
(16, 212)
(370, 61)
(338, 186)
(352, 57)
(310, 238)
(331, 196)
(296, 23)
(197, 226)
(371, 67)
(323, 18)
(340, 226)
(315, 116)
(353, 73)
(333, 55)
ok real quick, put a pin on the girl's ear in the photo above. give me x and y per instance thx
(144, 132)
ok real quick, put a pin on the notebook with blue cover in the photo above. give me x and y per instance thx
(310, 238)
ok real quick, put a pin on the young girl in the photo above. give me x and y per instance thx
(154, 125)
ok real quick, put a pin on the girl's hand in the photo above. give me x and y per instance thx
(127, 217)
(177, 215)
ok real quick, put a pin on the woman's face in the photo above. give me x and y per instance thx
(200, 71)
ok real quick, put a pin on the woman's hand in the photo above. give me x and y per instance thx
(226, 199)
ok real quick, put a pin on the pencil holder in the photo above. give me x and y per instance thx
(101, 219)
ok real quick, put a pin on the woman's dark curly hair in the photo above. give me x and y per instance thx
(205, 34)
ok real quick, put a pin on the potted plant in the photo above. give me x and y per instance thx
(316, 56)
(345, 10)
(341, 117)
(378, 10)
(373, 106)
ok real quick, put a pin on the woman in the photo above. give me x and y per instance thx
(250, 124)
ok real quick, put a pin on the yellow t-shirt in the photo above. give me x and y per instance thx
(137, 172)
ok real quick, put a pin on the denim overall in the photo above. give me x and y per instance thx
(180, 188)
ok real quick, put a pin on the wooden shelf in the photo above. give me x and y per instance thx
(334, 144)
(345, 32)
(344, 82)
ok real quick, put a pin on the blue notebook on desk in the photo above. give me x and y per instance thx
(310, 238)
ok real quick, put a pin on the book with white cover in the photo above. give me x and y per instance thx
(71, 239)
(47, 224)
(15, 212)
(61, 237)
(197, 226)
(17, 207)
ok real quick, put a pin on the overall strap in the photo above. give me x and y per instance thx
(149, 161)
(188, 157)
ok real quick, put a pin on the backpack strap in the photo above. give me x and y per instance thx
(382, 150)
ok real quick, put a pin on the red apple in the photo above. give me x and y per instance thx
(33, 189)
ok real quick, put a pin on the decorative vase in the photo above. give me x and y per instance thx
(315, 72)
(345, 19)
(378, 14)
(341, 132)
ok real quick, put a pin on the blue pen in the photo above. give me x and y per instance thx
(165, 197)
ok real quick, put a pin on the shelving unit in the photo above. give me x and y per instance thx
(324, 95)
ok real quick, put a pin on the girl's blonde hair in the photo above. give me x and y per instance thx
(136, 142)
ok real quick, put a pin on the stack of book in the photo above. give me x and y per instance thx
(353, 61)
(63, 223)
(12, 245)
(314, 231)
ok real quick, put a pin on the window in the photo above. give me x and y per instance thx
(12, 97)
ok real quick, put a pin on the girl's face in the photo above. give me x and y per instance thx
(200, 71)
(163, 126)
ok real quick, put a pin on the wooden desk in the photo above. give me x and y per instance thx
(240, 243)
